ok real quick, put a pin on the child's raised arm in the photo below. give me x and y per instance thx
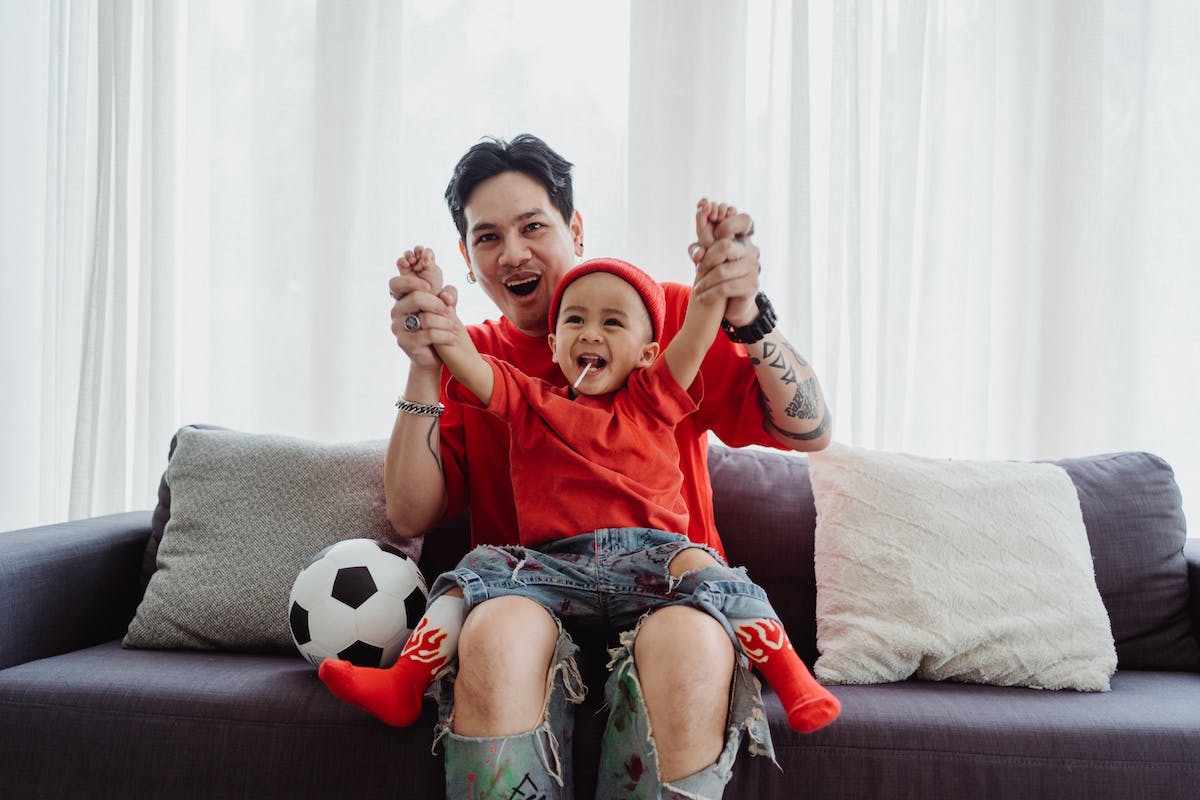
(686, 351)
(450, 339)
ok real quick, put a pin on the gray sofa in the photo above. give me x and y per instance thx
(81, 716)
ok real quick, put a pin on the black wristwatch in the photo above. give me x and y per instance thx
(749, 334)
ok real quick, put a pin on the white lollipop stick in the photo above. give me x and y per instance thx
(586, 368)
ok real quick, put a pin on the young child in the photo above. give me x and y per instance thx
(594, 471)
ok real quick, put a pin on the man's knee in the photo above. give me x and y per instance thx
(690, 560)
(504, 654)
(687, 643)
(685, 664)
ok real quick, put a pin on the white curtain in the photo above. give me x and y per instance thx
(977, 217)
(981, 217)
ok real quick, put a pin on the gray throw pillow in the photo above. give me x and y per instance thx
(247, 514)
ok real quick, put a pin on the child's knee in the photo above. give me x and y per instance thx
(690, 560)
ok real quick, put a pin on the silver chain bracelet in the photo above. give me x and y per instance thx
(420, 409)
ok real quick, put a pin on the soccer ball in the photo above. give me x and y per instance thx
(357, 600)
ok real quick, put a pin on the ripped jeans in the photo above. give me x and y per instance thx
(612, 577)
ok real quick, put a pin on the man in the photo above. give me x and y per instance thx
(519, 234)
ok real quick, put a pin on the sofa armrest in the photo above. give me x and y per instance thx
(1191, 551)
(69, 585)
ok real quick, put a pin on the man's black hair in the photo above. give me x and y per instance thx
(526, 154)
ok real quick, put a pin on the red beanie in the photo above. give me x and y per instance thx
(650, 290)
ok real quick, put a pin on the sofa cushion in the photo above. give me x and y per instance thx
(918, 739)
(108, 722)
(112, 722)
(1133, 511)
(247, 513)
(974, 571)
(764, 511)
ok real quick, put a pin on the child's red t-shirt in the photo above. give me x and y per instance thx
(602, 461)
(475, 443)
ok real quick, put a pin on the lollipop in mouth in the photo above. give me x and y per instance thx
(588, 362)
(591, 360)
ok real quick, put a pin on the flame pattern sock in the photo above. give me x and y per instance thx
(393, 694)
(809, 705)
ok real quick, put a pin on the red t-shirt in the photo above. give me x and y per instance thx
(475, 443)
(598, 461)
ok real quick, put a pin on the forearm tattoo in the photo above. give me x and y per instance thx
(815, 433)
(805, 403)
(796, 354)
(435, 450)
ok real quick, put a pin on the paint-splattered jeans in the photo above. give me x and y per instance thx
(611, 577)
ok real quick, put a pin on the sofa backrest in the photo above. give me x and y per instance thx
(1131, 506)
(764, 510)
(766, 516)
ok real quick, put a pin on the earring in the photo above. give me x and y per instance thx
(470, 277)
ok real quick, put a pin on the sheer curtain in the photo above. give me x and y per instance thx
(980, 216)
(203, 202)
(976, 217)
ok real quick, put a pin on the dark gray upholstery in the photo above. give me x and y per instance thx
(1133, 512)
(926, 740)
(67, 586)
(1192, 552)
(775, 501)
(82, 717)
(113, 722)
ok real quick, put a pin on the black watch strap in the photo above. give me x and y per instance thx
(749, 334)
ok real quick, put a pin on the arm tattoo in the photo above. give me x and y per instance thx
(775, 357)
(431, 441)
(815, 433)
(769, 350)
(795, 354)
(804, 404)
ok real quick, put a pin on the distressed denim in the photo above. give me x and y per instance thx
(612, 577)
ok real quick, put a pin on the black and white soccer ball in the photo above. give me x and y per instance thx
(357, 600)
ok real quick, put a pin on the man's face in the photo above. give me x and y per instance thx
(518, 246)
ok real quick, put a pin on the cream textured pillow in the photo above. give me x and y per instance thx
(954, 570)
(248, 512)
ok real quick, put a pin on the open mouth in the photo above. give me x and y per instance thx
(590, 360)
(523, 287)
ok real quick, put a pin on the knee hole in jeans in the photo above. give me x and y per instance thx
(690, 560)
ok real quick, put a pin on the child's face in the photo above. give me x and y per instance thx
(602, 321)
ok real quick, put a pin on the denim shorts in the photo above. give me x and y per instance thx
(610, 578)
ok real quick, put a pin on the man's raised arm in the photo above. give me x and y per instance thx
(413, 477)
(794, 408)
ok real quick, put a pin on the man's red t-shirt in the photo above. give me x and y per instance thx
(475, 443)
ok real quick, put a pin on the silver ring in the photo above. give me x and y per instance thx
(412, 323)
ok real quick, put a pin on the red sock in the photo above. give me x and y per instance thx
(394, 694)
(809, 705)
